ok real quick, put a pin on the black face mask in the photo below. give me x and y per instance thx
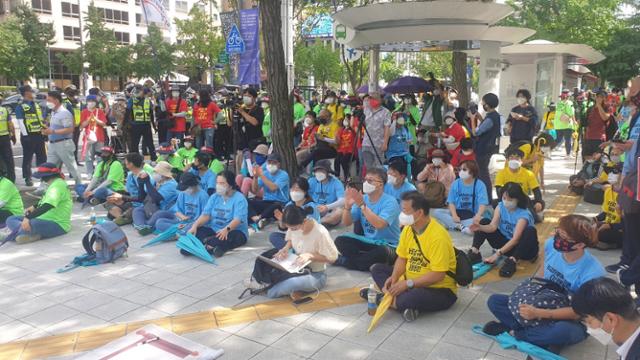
(195, 167)
(105, 158)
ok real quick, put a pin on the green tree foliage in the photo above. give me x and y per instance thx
(12, 41)
(32, 58)
(439, 63)
(320, 61)
(202, 42)
(154, 56)
(389, 69)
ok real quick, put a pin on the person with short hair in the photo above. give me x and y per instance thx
(327, 191)
(565, 118)
(92, 121)
(523, 118)
(188, 152)
(397, 183)
(300, 197)
(610, 312)
(400, 138)
(274, 182)
(107, 179)
(420, 279)
(200, 168)
(466, 153)
(204, 115)
(120, 205)
(189, 204)
(30, 117)
(10, 200)
(308, 141)
(378, 121)
(487, 139)
(60, 132)
(514, 172)
(597, 120)
(158, 195)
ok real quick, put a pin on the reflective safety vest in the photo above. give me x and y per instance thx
(32, 117)
(76, 111)
(142, 113)
(4, 121)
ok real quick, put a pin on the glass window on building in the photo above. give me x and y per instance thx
(71, 33)
(140, 20)
(115, 16)
(70, 10)
(182, 6)
(41, 6)
(121, 37)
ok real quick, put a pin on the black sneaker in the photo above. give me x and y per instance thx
(494, 328)
(613, 268)
(28, 182)
(218, 252)
(508, 268)
(410, 315)
(364, 294)
(474, 257)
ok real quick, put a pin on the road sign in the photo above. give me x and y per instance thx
(352, 54)
(235, 44)
(223, 58)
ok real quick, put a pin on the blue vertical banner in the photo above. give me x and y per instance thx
(249, 68)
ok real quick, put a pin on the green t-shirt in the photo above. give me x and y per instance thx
(115, 174)
(299, 111)
(563, 108)
(187, 155)
(175, 161)
(10, 195)
(415, 113)
(58, 196)
(266, 125)
(216, 166)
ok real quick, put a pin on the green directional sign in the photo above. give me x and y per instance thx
(223, 57)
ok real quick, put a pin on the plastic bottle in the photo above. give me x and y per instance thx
(372, 306)
(92, 217)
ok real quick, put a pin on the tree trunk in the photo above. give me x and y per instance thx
(281, 102)
(459, 77)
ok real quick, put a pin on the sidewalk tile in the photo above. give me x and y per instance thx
(15, 330)
(356, 333)
(89, 300)
(302, 342)
(265, 332)
(114, 309)
(327, 323)
(172, 303)
(140, 314)
(444, 351)
(273, 353)
(340, 349)
(50, 316)
(409, 344)
(147, 295)
(238, 348)
(76, 323)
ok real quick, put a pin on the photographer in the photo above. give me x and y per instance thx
(249, 123)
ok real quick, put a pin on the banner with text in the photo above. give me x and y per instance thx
(249, 67)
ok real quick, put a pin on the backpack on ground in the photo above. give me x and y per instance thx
(268, 276)
(104, 243)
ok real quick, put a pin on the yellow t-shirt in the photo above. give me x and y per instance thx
(548, 118)
(329, 130)
(437, 246)
(610, 206)
(523, 177)
(337, 112)
(527, 150)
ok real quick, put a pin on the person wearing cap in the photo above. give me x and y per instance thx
(92, 121)
(200, 168)
(140, 116)
(453, 133)
(598, 119)
(158, 195)
(189, 204)
(107, 178)
(223, 224)
(188, 152)
(439, 171)
(30, 117)
(378, 122)
(397, 183)
(177, 108)
(400, 138)
(120, 205)
(51, 217)
(274, 182)
(244, 180)
(564, 121)
(328, 192)
(60, 132)
(204, 115)
(168, 153)
(7, 137)
(10, 200)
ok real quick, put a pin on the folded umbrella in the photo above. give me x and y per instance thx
(194, 246)
(506, 341)
(167, 235)
(380, 311)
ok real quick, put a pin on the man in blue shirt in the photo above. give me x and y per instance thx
(275, 184)
(487, 139)
(30, 118)
(397, 183)
(377, 214)
(328, 192)
(120, 205)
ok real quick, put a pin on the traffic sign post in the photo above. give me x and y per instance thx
(235, 43)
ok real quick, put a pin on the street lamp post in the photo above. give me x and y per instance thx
(83, 84)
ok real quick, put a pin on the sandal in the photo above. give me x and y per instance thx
(508, 268)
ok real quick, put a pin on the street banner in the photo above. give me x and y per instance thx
(228, 20)
(249, 68)
(155, 12)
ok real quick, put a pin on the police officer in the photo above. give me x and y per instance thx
(7, 136)
(140, 115)
(30, 118)
(72, 104)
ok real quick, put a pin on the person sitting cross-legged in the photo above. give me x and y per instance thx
(189, 204)
(328, 192)
(397, 183)
(274, 182)
(420, 280)
(300, 197)
(119, 205)
(107, 179)
(200, 168)
(157, 195)
(514, 172)
(52, 216)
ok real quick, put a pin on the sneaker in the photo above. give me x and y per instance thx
(620, 273)
(218, 252)
(458, 227)
(122, 220)
(613, 268)
(94, 201)
(364, 294)
(474, 257)
(262, 223)
(410, 315)
(465, 230)
(508, 268)
(25, 238)
(145, 231)
(28, 182)
(494, 328)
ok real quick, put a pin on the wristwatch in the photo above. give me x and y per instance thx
(228, 229)
(410, 284)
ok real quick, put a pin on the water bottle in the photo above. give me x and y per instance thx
(92, 217)
(372, 295)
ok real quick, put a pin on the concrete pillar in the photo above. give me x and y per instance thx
(374, 67)
(490, 68)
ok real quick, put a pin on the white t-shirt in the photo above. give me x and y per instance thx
(318, 240)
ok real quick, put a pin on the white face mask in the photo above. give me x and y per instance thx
(272, 168)
(50, 105)
(193, 190)
(615, 158)
(329, 101)
(437, 161)
(613, 178)
(368, 187)
(406, 220)
(295, 233)
(392, 179)
(264, 105)
(175, 94)
(602, 336)
(510, 204)
(247, 100)
(521, 101)
(365, 103)
(296, 195)
(188, 144)
(157, 178)
(448, 121)
(320, 176)
(221, 189)
(345, 123)
(307, 122)
(91, 105)
(515, 164)
(407, 101)
(464, 174)
(455, 103)
(400, 121)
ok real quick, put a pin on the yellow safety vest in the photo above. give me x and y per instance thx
(4, 121)
(32, 118)
(142, 113)
(76, 111)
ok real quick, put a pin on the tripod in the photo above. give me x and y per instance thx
(362, 125)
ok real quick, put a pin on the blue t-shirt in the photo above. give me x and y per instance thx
(207, 181)
(169, 192)
(629, 156)
(191, 205)
(315, 215)
(280, 178)
(399, 143)
(132, 184)
(388, 209)
(222, 211)
(326, 193)
(397, 192)
(462, 195)
(509, 220)
(570, 276)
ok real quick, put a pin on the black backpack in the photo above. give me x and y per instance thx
(464, 269)
(268, 275)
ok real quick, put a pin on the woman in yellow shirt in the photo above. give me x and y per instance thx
(337, 111)
(610, 229)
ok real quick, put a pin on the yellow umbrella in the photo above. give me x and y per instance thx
(382, 308)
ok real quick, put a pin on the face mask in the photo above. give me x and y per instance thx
(615, 158)
(345, 123)
(467, 152)
(307, 122)
(464, 174)
(320, 176)
(175, 94)
(406, 220)
(260, 159)
(515, 164)
(140, 94)
(374, 103)
(91, 105)
(193, 190)
(264, 105)
(188, 144)
(366, 103)
(247, 100)
(455, 103)
(400, 121)
(613, 178)
(437, 161)
(407, 101)
(521, 101)
(486, 108)
(392, 179)
(510, 204)
(157, 178)
(272, 168)
(329, 101)
(448, 121)
(295, 233)
(368, 187)
(296, 195)
(195, 167)
(221, 189)
(599, 334)
(561, 244)
(50, 105)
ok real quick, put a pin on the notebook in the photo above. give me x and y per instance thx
(289, 264)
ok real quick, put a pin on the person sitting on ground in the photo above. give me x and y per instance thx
(588, 174)
(215, 165)
(567, 264)
(437, 171)
(610, 227)
(223, 224)
(397, 183)
(325, 147)
(303, 151)
(10, 200)
(157, 195)
(511, 232)
(399, 139)
(274, 182)
(187, 153)
(200, 168)
(466, 153)
(610, 312)
(300, 197)
(328, 192)
(612, 166)
(375, 215)
(51, 217)
(453, 134)
(311, 242)
(467, 201)
(244, 181)
(189, 204)
(120, 206)
(419, 280)
(166, 152)
(107, 179)
(514, 172)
